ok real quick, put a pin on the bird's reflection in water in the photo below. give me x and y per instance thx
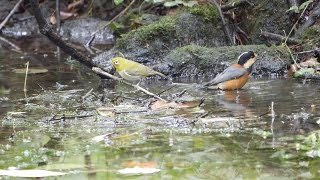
(237, 102)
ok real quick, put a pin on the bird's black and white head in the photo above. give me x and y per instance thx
(247, 59)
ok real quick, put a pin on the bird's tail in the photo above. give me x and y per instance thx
(160, 74)
(210, 85)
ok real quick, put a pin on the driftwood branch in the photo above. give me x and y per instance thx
(48, 31)
(280, 38)
(225, 25)
(240, 3)
(100, 71)
(2, 39)
(4, 22)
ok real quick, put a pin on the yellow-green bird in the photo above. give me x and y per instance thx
(132, 71)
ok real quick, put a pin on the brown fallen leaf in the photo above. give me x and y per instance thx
(137, 170)
(106, 111)
(160, 104)
(64, 16)
(132, 164)
(75, 5)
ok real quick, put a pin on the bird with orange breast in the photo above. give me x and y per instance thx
(235, 76)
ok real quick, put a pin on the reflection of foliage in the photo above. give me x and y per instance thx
(303, 147)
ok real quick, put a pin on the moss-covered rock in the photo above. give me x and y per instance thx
(165, 44)
(197, 61)
(208, 12)
(150, 44)
(163, 28)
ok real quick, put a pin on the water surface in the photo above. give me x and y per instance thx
(232, 135)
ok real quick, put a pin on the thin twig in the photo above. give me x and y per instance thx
(10, 43)
(107, 24)
(304, 52)
(272, 120)
(129, 98)
(58, 16)
(100, 71)
(295, 24)
(4, 22)
(290, 52)
(166, 89)
(87, 94)
(201, 102)
(182, 93)
(26, 77)
(134, 111)
(280, 38)
(225, 25)
(203, 115)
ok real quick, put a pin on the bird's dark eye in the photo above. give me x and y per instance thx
(116, 62)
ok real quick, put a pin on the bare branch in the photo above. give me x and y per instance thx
(47, 30)
(225, 25)
(100, 71)
(10, 14)
(280, 38)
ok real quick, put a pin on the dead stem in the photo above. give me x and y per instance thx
(26, 77)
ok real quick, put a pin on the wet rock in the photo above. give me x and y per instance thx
(5, 8)
(165, 45)
(23, 24)
(197, 61)
(150, 44)
(77, 30)
(80, 30)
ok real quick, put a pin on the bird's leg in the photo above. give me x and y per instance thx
(138, 82)
(137, 85)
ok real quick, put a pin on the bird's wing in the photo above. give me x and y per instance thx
(142, 71)
(231, 72)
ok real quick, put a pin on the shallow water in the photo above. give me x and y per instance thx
(232, 135)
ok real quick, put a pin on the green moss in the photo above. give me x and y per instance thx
(163, 28)
(209, 55)
(310, 33)
(208, 12)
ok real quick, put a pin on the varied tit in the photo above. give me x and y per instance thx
(235, 76)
